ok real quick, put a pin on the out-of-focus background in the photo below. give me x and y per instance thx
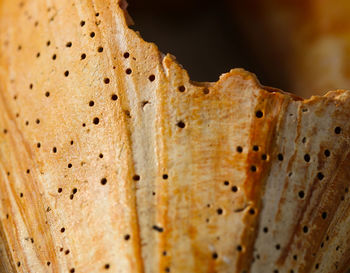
(300, 46)
(200, 33)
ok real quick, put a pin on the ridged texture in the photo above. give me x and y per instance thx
(111, 159)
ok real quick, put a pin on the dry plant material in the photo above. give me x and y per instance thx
(111, 159)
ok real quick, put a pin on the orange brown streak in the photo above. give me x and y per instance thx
(271, 104)
(32, 192)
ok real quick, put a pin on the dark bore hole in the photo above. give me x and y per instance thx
(337, 130)
(181, 124)
(182, 88)
(307, 158)
(104, 181)
(259, 114)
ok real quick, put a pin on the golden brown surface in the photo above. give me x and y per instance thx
(112, 160)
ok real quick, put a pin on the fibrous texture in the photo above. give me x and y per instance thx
(111, 159)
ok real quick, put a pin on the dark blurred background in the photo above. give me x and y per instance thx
(201, 34)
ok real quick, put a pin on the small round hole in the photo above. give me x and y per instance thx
(82, 23)
(100, 49)
(320, 176)
(66, 73)
(259, 114)
(182, 88)
(83, 56)
(91, 103)
(239, 149)
(214, 255)
(59, 190)
(305, 229)
(324, 215)
(54, 57)
(126, 55)
(96, 121)
(255, 148)
(69, 44)
(92, 34)
(181, 124)
(152, 78)
(136, 177)
(219, 211)
(307, 157)
(337, 130)
(114, 97)
(301, 194)
(106, 80)
(327, 153)
(47, 94)
(126, 237)
(253, 168)
(165, 176)
(280, 157)
(206, 91)
(234, 188)
(104, 181)
(226, 183)
(128, 71)
(63, 230)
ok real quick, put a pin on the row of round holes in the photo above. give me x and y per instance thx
(47, 94)
(305, 230)
(181, 89)
(106, 80)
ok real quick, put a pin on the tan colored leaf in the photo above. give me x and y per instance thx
(112, 160)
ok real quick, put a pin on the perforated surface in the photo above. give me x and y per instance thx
(111, 159)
